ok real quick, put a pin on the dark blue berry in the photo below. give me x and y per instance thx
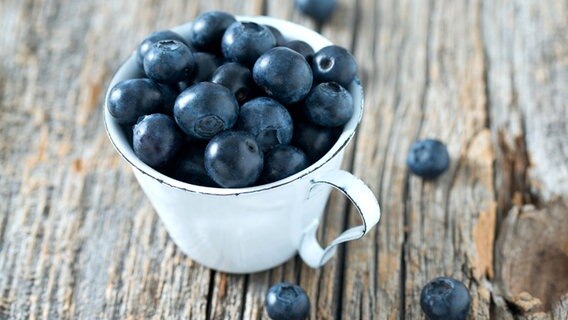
(445, 298)
(205, 66)
(169, 61)
(428, 158)
(147, 43)
(329, 105)
(205, 109)
(130, 99)
(320, 10)
(284, 75)
(233, 159)
(267, 120)
(280, 40)
(169, 94)
(334, 63)
(182, 85)
(189, 166)
(207, 30)
(156, 139)
(283, 161)
(286, 301)
(244, 42)
(302, 48)
(314, 140)
(236, 78)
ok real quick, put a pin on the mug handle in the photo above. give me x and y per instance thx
(362, 198)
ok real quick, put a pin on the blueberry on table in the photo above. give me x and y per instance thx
(314, 140)
(147, 43)
(236, 78)
(334, 63)
(280, 40)
(445, 298)
(329, 105)
(189, 166)
(283, 74)
(156, 139)
(286, 301)
(169, 61)
(320, 10)
(244, 42)
(283, 161)
(267, 120)
(205, 65)
(428, 158)
(130, 99)
(205, 109)
(302, 48)
(233, 159)
(207, 30)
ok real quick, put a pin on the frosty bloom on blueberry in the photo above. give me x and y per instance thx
(285, 301)
(205, 109)
(268, 121)
(428, 158)
(284, 75)
(445, 299)
(234, 104)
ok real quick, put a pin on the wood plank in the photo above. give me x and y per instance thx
(526, 78)
(394, 62)
(451, 221)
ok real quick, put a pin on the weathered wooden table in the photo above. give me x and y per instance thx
(78, 239)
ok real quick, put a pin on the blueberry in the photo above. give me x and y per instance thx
(207, 30)
(334, 63)
(445, 298)
(280, 40)
(130, 99)
(233, 159)
(182, 85)
(169, 95)
(329, 105)
(282, 162)
(156, 139)
(169, 61)
(284, 75)
(286, 301)
(244, 42)
(237, 78)
(302, 48)
(320, 10)
(189, 166)
(428, 158)
(267, 120)
(147, 43)
(205, 109)
(314, 140)
(205, 65)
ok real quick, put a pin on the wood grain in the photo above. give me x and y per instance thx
(78, 239)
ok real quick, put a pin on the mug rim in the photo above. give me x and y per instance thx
(113, 129)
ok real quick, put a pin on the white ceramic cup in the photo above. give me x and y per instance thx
(256, 228)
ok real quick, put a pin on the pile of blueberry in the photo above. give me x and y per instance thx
(235, 104)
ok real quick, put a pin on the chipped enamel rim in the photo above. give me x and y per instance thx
(291, 31)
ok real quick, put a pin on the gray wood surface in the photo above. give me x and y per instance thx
(79, 240)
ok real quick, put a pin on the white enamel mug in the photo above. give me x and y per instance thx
(256, 228)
